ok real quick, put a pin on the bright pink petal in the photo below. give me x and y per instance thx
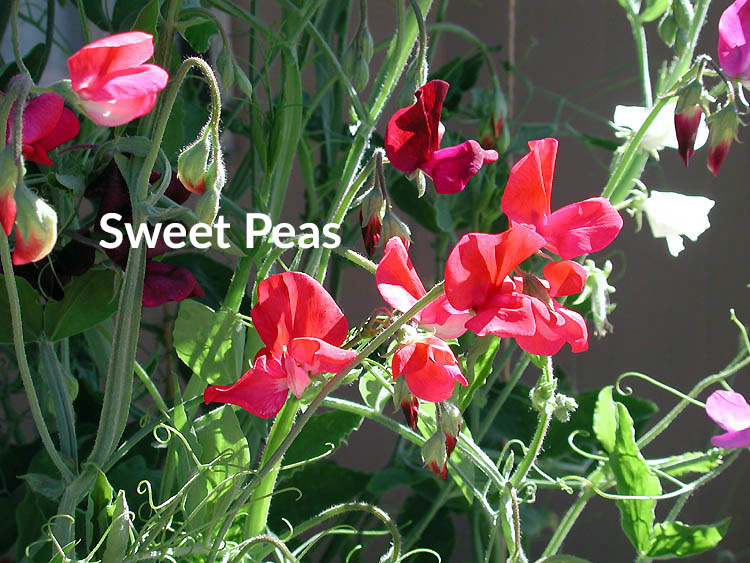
(413, 133)
(565, 277)
(506, 316)
(396, 278)
(451, 168)
(554, 328)
(526, 198)
(733, 47)
(113, 114)
(576, 229)
(167, 282)
(261, 391)
(108, 55)
(738, 439)
(430, 368)
(729, 410)
(317, 356)
(477, 266)
(127, 84)
(293, 305)
(447, 321)
(40, 117)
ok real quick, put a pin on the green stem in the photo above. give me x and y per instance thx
(639, 36)
(14, 38)
(23, 365)
(489, 418)
(84, 21)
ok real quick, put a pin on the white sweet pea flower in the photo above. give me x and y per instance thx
(661, 133)
(672, 216)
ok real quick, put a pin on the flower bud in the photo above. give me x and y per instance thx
(723, 128)
(543, 397)
(395, 227)
(404, 398)
(8, 180)
(36, 227)
(434, 455)
(564, 406)
(192, 164)
(493, 133)
(687, 117)
(370, 215)
(450, 424)
(208, 205)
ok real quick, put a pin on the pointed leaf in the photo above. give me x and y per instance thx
(675, 539)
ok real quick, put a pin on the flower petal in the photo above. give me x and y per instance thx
(554, 329)
(413, 133)
(396, 278)
(729, 410)
(318, 356)
(447, 321)
(451, 168)
(582, 227)
(733, 47)
(738, 439)
(430, 368)
(167, 282)
(527, 194)
(565, 277)
(261, 391)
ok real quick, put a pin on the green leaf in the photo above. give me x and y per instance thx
(208, 342)
(125, 13)
(374, 394)
(404, 194)
(562, 559)
(89, 299)
(691, 462)
(99, 499)
(390, 477)
(675, 539)
(654, 9)
(633, 478)
(668, 29)
(44, 485)
(31, 312)
(95, 13)
(332, 427)
(118, 536)
(225, 66)
(199, 35)
(32, 60)
(605, 419)
(462, 74)
(212, 276)
(243, 81)
(439, 535)
(147, 18)
(479, 362)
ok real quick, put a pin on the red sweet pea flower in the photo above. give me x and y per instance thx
(400, 286)
(412, 141)
(476, 278)
(430, 368)
(302, 328)
(47, 124)
(573, 230)
(112, 82)
(167, 282)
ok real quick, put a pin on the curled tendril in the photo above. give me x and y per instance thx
(265, 538)
(331, 449)
(656, 383)
(344, 529)
(581, 452)
(687, 488)
(419, 550)
(558, 481)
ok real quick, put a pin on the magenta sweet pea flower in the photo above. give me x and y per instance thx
(730, 411)
(412, 142)
(112, 83)
(47, 124)
(576, 229)
(734, 40)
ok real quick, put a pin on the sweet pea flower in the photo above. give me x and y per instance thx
(661, 133)
(47, 124)
(429, 366)
(672, 216)
(576, 229)
(112, 83)
(302, 329)
(412, 142)
(167, 282)
(730, 411)
(734, 40)
(400, 286)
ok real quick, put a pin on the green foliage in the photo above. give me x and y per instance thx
(675, 539)
(323, 431)
(31, 312)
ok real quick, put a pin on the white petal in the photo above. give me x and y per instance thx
(661, 133)
(671, 215)
(675, 244)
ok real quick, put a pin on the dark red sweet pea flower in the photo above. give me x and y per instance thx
(167, 282)
(573, 230)
(430, 368)
(400, 286)
(302, 328)
(476, 278)
(47, 124)
(412, 142)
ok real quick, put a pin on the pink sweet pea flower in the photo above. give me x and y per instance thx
(302, 328)
(47, 124)
(573, 230)
(112, 83)
(734, 40)
(730, 411)
(430, 368)
(476, 278)
(400, 286)
(412, 142)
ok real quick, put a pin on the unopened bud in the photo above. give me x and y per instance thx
(8, 180)
(395, 227)
(723, 128)
(36, 227)
(208, 205)
(687, 118)
(434, 455)
(493, 134)
(403, 398)
(370, 216)
(564, 406)
(543, 397)
(192, 164)
(450, 423)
